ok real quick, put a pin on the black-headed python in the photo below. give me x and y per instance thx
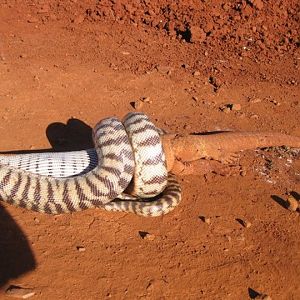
(128, 153)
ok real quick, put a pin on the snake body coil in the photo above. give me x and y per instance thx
(72, 181)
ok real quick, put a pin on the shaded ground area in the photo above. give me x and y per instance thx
(202, 66)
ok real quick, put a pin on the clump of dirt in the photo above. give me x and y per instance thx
(243, 26)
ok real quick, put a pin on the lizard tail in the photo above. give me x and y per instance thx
(193, 147)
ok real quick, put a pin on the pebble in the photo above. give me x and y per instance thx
(185, 66)
(293, 204)
(196, 73)
(236, 107)
(275, 102)
(79, 19)
(197, 34)
(80, 248)
(206, 220)
(146, 100)
(137, 104)
(257, 4)
(146, 235)
(245, 223)
(19, 292)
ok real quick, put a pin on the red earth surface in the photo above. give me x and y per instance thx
(65, 65)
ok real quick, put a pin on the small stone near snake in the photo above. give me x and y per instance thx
(236, 107)
(206, 220)
(146, 235)
(19, 292)
(137, 104)
(244, 223)
(79, 19)
(293, 204)
(146, 100)
(80, 249)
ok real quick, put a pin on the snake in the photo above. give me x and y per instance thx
(127, 155)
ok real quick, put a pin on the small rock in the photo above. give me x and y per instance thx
(293, 204)
(254, 116)
(244, 223)
(236, 107)
(197, 34)
(19, 292)
(275, 102)
(206, 220)
(137, 105)
(257, 4)
(196, 73)
(195, 98)
(80, 248)
(146, 235)
(79, 19)
(226, 110)
(185, 66)
(146, 100)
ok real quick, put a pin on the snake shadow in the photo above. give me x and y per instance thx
(73, 136)
(16, 256)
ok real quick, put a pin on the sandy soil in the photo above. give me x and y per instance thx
(64, 65)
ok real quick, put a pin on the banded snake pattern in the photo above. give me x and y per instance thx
(127, 156)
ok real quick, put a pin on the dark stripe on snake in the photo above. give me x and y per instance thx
(36, 195)
(158, 159)
(128, 169)
(67, 199)
(93, 188)
(47, 208)
(50, 193)
(151, 141)
(79, 190)
(109, 185)
(135, 122)
(6, 179)
(144, 128)
(156, 179)
(112, 170)
(114, 142)
(123, 183)
(113, 156)
(16, 187)
(25, 192)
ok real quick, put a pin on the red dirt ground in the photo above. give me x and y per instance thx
(65, 65)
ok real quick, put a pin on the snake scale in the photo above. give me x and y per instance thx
(128, 156)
